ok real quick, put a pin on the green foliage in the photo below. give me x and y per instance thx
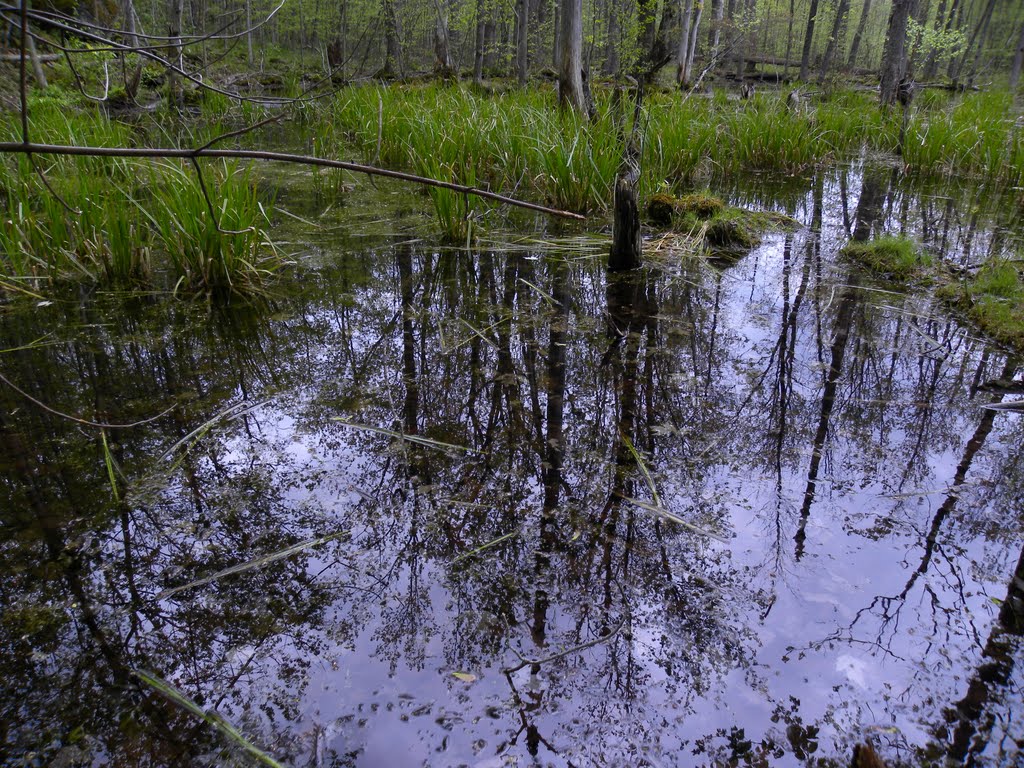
(898, 258)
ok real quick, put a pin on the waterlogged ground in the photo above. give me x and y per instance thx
(687, 517)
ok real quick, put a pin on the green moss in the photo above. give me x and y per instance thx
(898, 258)
(729, 232)
(701, 204)
(661, 208)
(993, 299)
(668, 211)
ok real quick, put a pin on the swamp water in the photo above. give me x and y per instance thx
(747, 516)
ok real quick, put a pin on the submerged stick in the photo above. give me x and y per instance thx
(28, 148)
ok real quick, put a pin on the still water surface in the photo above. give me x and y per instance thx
(693, 516)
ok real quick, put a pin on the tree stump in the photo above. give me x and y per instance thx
(626, 250)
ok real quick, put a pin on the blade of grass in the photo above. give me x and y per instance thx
(550, 299)
(231, 412)
(257, 563)
(661, 512)
(643, 467)
(425, 441)
(482, 547)
(214, 719)
(108, 459)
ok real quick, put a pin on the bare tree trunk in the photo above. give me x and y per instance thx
(982, 37)
(478, 56)
(653, 44)
(570, 59)
(838, 28)
(392, 42)
(443, 66)
(248, 30)
(894, 55)
(931, 61)
(611, 56)
(715, 30)
(789, 36)
(175, 9)
(956, 20)
(1018, 60)
(851, 62)
(698, 11)
(522, 37)
(805, 58)
(683, 54)
(131, 39)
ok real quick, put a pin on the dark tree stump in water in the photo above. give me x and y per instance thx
(626, 250)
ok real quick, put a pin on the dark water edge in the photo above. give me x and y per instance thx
(528, 577)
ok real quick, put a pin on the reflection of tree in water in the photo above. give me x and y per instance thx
(626, 622)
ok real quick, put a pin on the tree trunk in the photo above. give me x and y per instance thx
(626, 247)
(982, 37)
(478, 57)
(789, 37)
(838, 28)
(851, 62)
(1018, 60)
(611, 57)
(175, 9)
(522, 32)
(715, 30)
(894, 55)
(392, 43)
(698, 11)
(805, 58)
(684, 44)
(570, 59)
(931, 60)
(443, 66)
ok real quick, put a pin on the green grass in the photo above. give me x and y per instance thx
(114, 221)
(897, 258)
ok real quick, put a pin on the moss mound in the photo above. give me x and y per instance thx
(994, 300)
(665, 210)
(897, 258)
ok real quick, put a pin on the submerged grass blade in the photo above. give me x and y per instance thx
(231, 412)
(257, 563)
(425, 441)
(643, 467)
(661, 512)
(108, 459)
(482, 547)
(214, 719)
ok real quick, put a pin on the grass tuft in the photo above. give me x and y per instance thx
(897, 258)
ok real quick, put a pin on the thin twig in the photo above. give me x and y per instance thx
(240, 132)
(42, 177)
(77, 420)
(247, 154)
(209, 203)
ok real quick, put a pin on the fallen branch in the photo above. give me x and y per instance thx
(252, 154)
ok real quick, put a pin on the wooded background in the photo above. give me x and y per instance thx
(965, 41)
